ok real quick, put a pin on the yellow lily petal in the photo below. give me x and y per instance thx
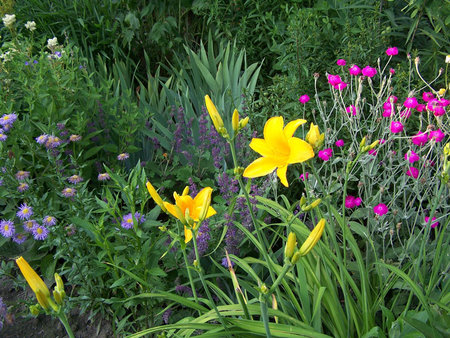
(281, 173)
(154, 194)
(171, 209)
(300, 150)
(260, 167)
(185, 191)
(262, 147)
(274, 135)
(187, 235)
(292, 126)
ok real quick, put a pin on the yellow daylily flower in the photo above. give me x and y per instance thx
(36, 283)
(197, 208)
(314, 137)
(279, 149)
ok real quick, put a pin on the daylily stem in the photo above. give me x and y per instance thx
(283, 273)
(191, 281)
(265, 316)
(62, 317)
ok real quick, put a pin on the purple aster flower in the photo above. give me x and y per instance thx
(58, 54)
(40, 232)
(103, 177)
(74, 138)
(127, 221)
(8, 119)
(21, 175)
(3, 137)
(25, 212)
(7, 228)
(183, 289)
(42, 139)
(22, 187)
(52, 142)
(49, 221)
(140, 218)
(69, 192)
(30, 225)
(19, 238)
(123, 156)
(74, 179)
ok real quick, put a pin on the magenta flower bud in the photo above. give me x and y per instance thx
(420, 139)
(411, 157)
(433, 225)
(304, 176)
(325, 154)
(392, 71)
(382, 140)
(303, 99)
(380, 209)
(372, 152)
(396, 127)
(341, 62)
(392, 51)
(369, 71)
(412, 172)
(351, 109)
(354, 70)
(410, 102)
(436, 135)
(387, 113)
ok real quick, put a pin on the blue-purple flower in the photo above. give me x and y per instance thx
(49, 221)
(7, 228)
(8, 119)
(25, 212)
(30, 225)
(40, 232)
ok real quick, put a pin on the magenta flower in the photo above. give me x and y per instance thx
(303, 99)
(433, 225)
(340, 86)
(392, 71)
(123, 156)
(69, 192)
(349, 202)
(427, 96)
(421, 107)
(334, 79)
(420, 138)
(75, 179)
(7, 228)
(22, 187)
(380, 209)
(387, 105)
(351, 109)
(354, 70)
(372, 152)
(325, 154)
(40, 233)
(21, 175)
(411, 156)
(396, 127)
(392, 51)
(339, 143)
(412, 172)
(439, 111)
(405, 113)
(358, 201)
(369, 71)
(341, 62)
(382, 140)
(410, 102)
(25, 212)
(49, 221)
(304, 176)
(436, 135)
(387, 112)
(392, 98)
(103, 177)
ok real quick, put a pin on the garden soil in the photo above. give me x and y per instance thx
(43, 326)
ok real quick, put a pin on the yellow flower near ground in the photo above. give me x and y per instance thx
(278, 149)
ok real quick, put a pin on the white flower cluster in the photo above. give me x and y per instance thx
(8, 20)
(52, 43)
(30, 25)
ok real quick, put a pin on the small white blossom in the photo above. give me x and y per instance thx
(8, 20)
(52, 43)
(447, 59)
(30, 25)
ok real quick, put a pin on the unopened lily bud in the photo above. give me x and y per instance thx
(302, 201)
(243, 123)
(313, 238)
(59, 294)
(374, 144)
(235, 120)
(363, 143)
(238, 171)
(35, 309)
(295, 258)
(264, 289)
(188, 218)
(206, 203)
(43, 300)
(179, 214)
(195, 263)
(312, 205)
(163, 228)
(214, 114)
(290, 245)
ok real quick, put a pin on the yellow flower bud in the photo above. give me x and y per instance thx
(373, 144)
(214, 114)
(34, 309)
(313, 238)
(295, 258)
(206, 204)
(447, 149)
(235, 120)
(363, 143)
(441, 92)
(290, 245)
(314, 137)
(154, 194)
(243, 123)
(302, 201)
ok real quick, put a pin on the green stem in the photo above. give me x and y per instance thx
(62, 317)
(191, 281)
(202, 279)
(283, 273)
(265, 316)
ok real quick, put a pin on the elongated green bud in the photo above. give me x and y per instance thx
(302, 201)
(313, 238)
